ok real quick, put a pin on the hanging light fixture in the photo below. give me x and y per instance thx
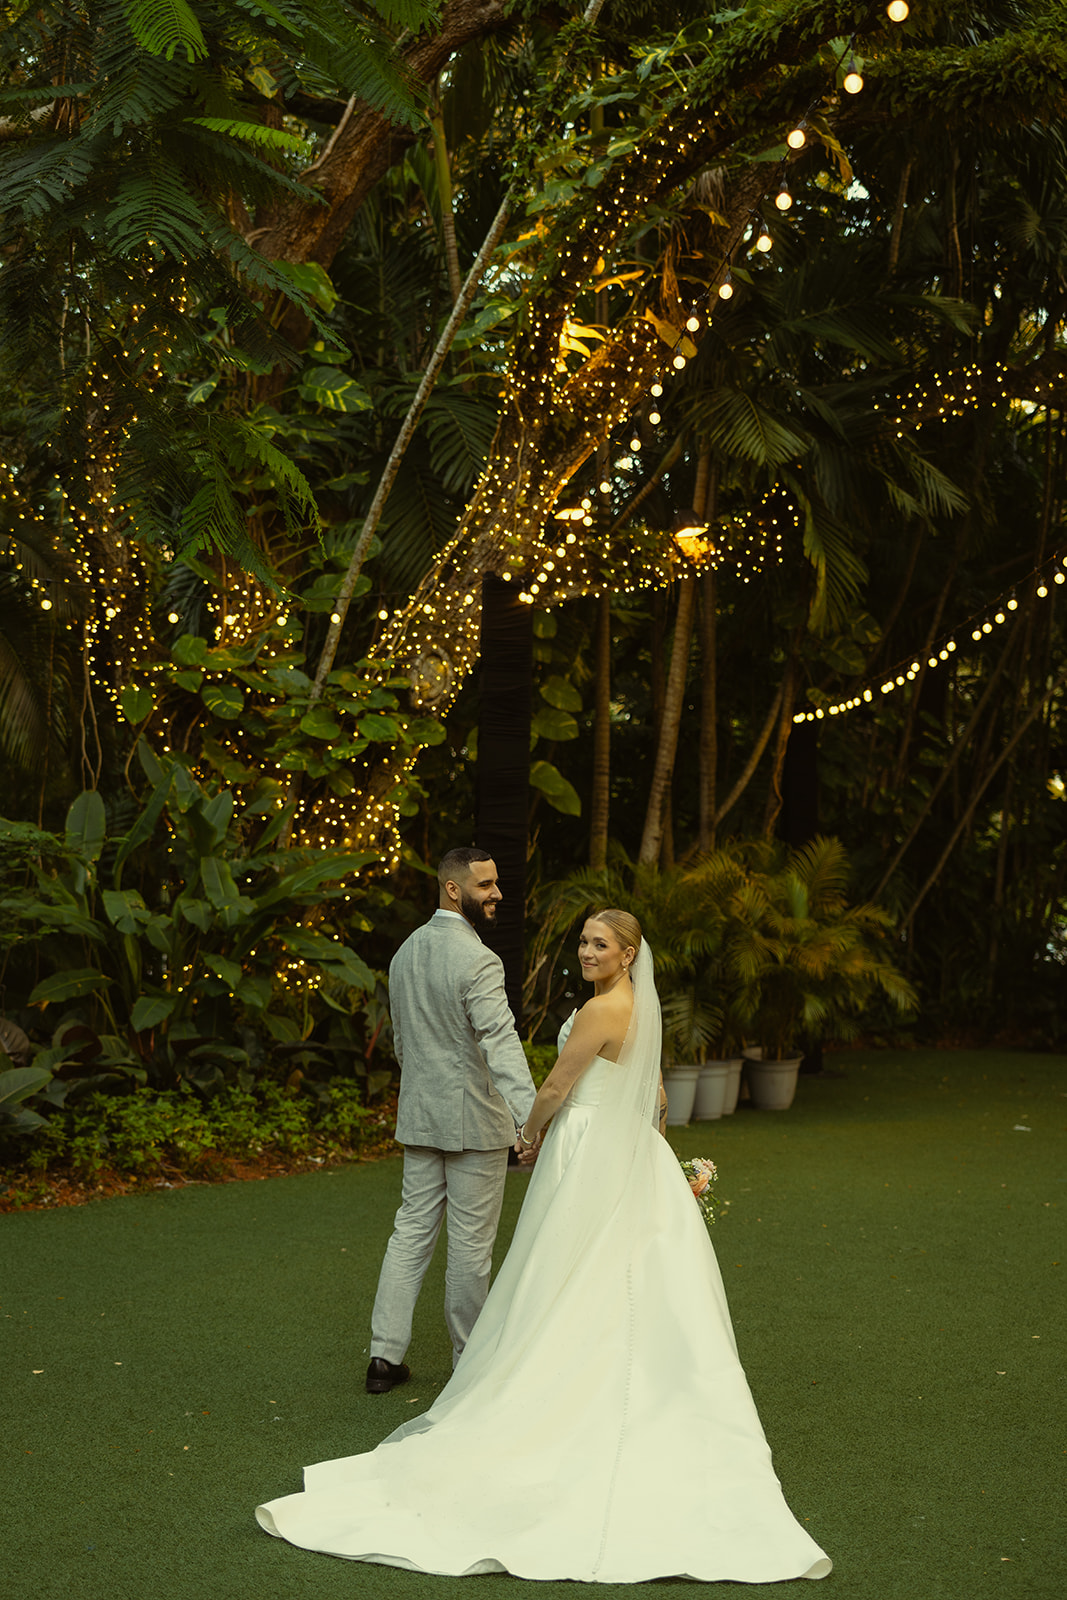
(783, 199)
(897, 10)
(796, 138)
(726, 287)
(691, 536)
(853, 80)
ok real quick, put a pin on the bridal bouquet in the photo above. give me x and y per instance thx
(700, 1174)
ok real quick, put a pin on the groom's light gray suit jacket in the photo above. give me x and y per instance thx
(464, 1081)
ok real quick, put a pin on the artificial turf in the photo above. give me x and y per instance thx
(893, 1251)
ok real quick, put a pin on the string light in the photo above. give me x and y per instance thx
(980, 629)
(796, 138)
(897, 10)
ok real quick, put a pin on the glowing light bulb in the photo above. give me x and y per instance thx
(678, 363)
(46, 605)
(897, 10)
(853, 82)
(656, 389)
(726, 288)
(783, 199)
(796, 138)
(335, 617)
(172, 616)
(764, 242)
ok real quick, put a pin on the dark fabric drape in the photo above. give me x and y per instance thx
(799, 818)
(503, 772)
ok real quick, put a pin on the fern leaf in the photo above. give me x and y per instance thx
(165, 27)
(255, 133)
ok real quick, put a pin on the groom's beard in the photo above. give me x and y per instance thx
(481, 914)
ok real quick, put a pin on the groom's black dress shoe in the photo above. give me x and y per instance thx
(384, 1375)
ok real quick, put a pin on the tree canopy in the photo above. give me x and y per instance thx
(316, 315)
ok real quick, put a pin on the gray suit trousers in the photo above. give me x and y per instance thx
(469, 1185)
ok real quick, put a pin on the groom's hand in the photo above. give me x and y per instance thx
(527, 1153)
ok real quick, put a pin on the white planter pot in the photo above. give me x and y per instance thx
(711, 1091)
(681, 1086)
(772, 1084)
(733, 1087)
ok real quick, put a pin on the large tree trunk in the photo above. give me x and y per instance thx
(503, 772)
(600, 802)
(652, 837)
(364, 146)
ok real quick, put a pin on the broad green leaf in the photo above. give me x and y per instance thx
(19, 1083)
(136, 702)
(372, 727)
(188, 650)
(231, 972)
(87, 824)
(264, 81)
(555, 788)
(426, 731)
(218, 882)
(125, 909)
(189, 680)
(223, 699)
(549, 723)
(284, 1029)
(320, 725)
(67, 986)
(150, 1010)
(561, 693)
(329, 387)
(313, 281)
(255, 990)
(201, 391)
(217, 813)
(196, 912)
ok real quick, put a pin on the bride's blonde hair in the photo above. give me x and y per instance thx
(623, 925)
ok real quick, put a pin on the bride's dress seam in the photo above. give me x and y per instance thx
(609, 1502)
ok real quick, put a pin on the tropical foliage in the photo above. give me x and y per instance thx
(315, 314)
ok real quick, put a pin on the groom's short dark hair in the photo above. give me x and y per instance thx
(457, 863)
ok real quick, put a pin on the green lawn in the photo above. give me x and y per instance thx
(893, 1254)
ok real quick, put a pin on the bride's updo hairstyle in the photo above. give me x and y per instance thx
(625, 927)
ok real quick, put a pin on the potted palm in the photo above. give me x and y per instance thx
(683, 914)
(804, 962)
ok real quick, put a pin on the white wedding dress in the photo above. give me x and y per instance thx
(598, 1426)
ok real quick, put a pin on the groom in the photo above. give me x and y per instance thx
(464, 1088)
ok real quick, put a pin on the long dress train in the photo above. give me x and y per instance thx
(599, 1425)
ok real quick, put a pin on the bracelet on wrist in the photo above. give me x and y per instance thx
(529, 1143)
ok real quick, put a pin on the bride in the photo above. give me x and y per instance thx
(598, 1425)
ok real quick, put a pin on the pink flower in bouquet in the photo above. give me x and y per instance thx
(699, 1184)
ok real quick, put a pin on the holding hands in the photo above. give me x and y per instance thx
(526, 1149)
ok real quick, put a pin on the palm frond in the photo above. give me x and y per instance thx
(739, 424)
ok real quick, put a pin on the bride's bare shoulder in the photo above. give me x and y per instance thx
(607, 1016)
